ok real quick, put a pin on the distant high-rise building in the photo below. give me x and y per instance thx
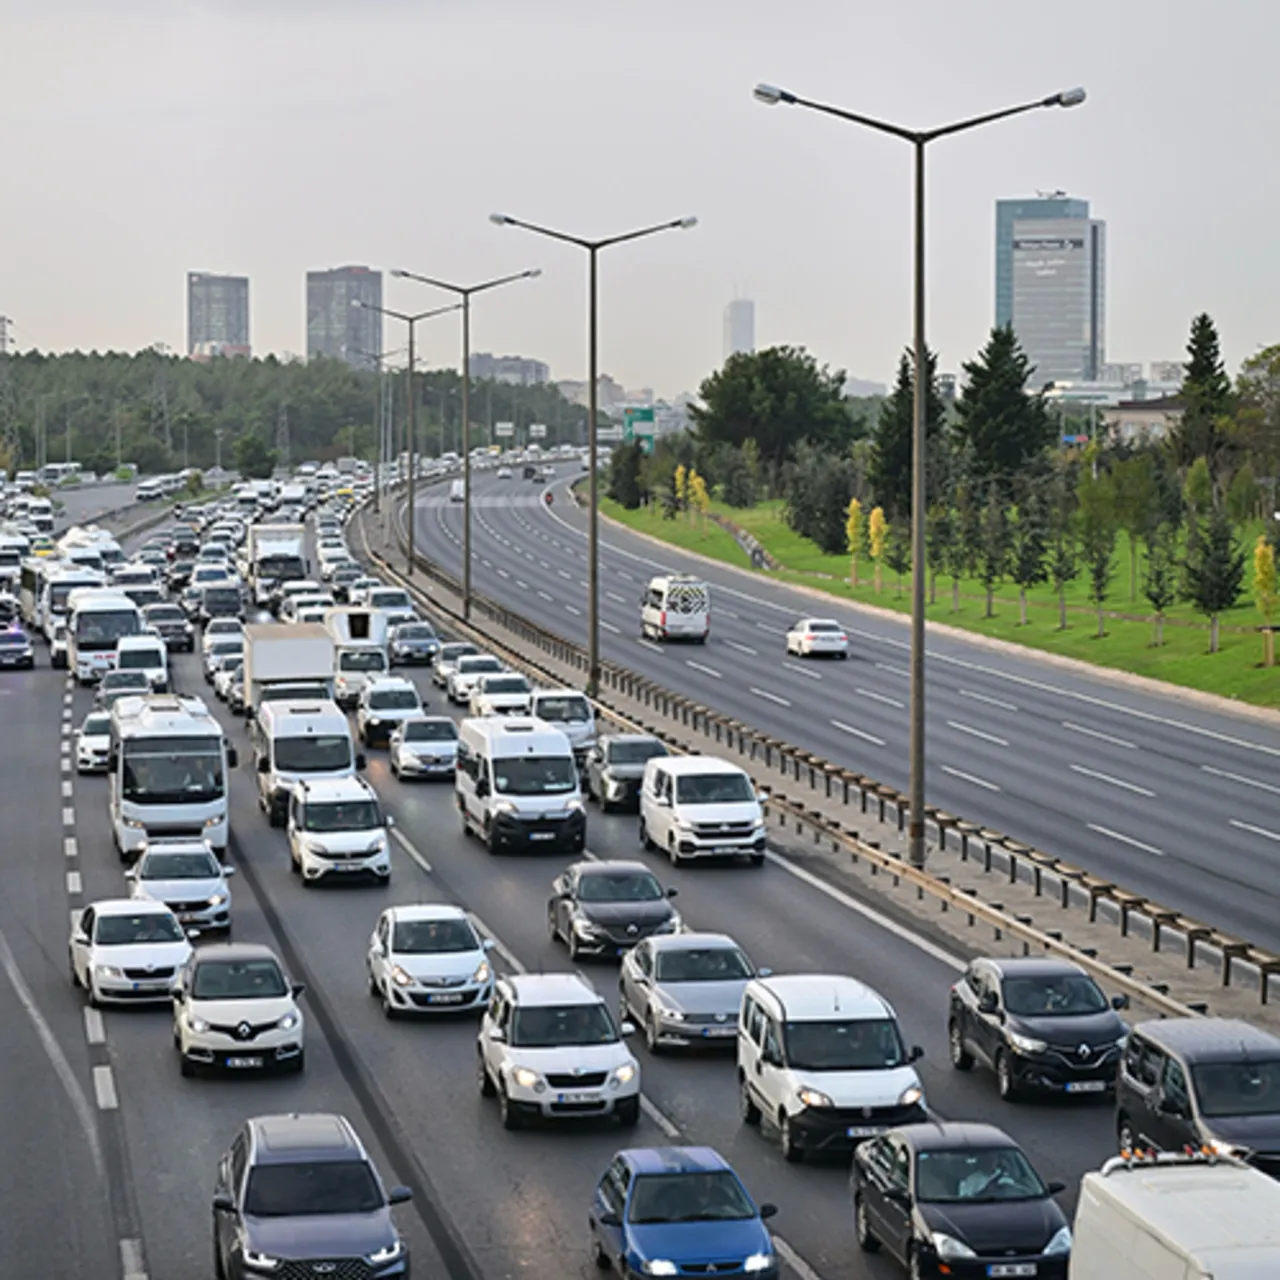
(739, 327)
(1051, 285)
(1167, 371)
(217, 315)
(1124, 375)
(336, 327)
(518, 371)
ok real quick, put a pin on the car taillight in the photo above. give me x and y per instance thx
(808, 637)
(662, 618)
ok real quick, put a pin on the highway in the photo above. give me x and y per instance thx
(93, 500)
(1166, 798)
(91, 1095)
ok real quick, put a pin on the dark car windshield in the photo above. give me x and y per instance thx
(120, 931)
(342, 815)
(635, 752)
(12, 639)
(96, 726)
(152, 774)
(702, 964)
(321, 753)
(814, 625)
(1238, 1088)
(506, 684)
(712, 1196)
(562, 709)
(362, 660)
(973, 1175)
(394, 700)
(139, 659)
(415, 631)
(179, 866)
(541, 1027)
(619, 886)
(452, 652)
(851, 1044)
(478, 666)
(239, 980)
(534, 775)
(1056, 996)
(301, 1190)
(125, 680)
(714, 788)
(427, 937)
(430, 731)
(161, 613)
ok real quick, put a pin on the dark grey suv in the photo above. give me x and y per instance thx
(298, 1197)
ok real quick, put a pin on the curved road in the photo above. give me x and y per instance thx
(1173, 801)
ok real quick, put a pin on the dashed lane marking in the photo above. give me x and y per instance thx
(1124, 839)
(71, 847)
(104, 1089)
(1240, 777)
(75, 885)
(702, 666)
(977, 733)
(1102, 737)
(66, 788)
(880, 697)
(988, 699)
(132, 1263)
(608, 626)
(857, 733)
(95, 1030)
(573, 608)
(68, 817)
(770, 697)
(969, 777)
(1111, 781)
(804, 671)
(743, 648)
(1257, 831)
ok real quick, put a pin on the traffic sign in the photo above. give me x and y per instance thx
(638, 421)
(609, 433)
(504, 430)
(537, 431)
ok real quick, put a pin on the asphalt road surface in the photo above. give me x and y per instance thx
(93, 500)
(1170, 800)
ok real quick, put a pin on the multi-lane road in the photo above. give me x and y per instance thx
(1171, 800)
(106, 1143)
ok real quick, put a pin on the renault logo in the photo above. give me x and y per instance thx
(633, 928)
(1084, 1051)
(244, 1031)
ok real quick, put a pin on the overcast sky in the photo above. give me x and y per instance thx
(145, 138)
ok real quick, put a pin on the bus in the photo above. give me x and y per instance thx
(167, 773)
(45, 585)
(98, 617)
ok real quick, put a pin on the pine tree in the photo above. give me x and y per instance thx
(993, 550)
(1198, 491)
(1243, 495)
(968, 539)
(890, 472)
(939, 534)
(1063, 557)
(1215, 571)
(1160, 585)
(1203, 430)
(624, 475)
(1135, 496)
(1265, 595)
(1030, 540)
(1096, 500)
(897, 550)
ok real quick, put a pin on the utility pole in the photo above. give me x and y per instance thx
(217, 448)
(12, 441)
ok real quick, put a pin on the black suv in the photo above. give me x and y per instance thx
(1041, 1025)
(605, 908)
(297, 1196)
(1202, 1081)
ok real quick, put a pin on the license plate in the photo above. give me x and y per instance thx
(454, 998)
(720, 1031)
(244, 1062)
(728, 849)
(1082, 1086)
(575, 1097)
(348, 866)
(153, 984)
(862, 1131)
(542, 835)
(1011, 1269)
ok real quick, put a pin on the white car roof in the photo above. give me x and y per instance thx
(386, 684)
(129, 907)
(681, 766)
(552, 989)
(335, 790)
(426, 911)
(823, 997)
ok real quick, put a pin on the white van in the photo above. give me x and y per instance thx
(676, 606)
(571, 713)
(295, 741)
(700, 807)
(517, 785)
(147, 653)
(822, 1057)
(458, 491)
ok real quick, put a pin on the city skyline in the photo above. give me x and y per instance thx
(342, 320)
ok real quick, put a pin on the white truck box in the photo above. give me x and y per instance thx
(276, 653)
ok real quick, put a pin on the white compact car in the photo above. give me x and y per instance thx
(337, 828)
(235, 1007)
(93, 743)
(503, 694)
(125, 951)
(424, 747)
(383, 704)
(225, 674)
(428, 958)
(466, 675)
(549, 1048)
(446, 662)
(818, 637)
(187, 877)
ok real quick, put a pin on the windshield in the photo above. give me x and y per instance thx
(535, 775)
(120, 931)
(427, 937)
(179, 866)
(1060, 996)
(362, 660)
(223, 627)
(689, 1197)
(506, 684)
(143, 596)
(139, 659)
(431, 731)
(322, 753)
(563, 709)
(226, 648)
(282, 568)
(125, 680)
(257, 979)
(1238, 1088)
(96, 726)
(418, 631)
(394, 700)
(478, 666)
(452, 652)
(301, 1190)
(853, 1044)
(714, 788)
(635, 752)
(165, 613)
(703, 964)
(342, 815)
(976, 1176)
(619, 886)
(102, 630)
(389, 600)
(193, 777)
(222, 598)
(12, 639)
(545, 1026)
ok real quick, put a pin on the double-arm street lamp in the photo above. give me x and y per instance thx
(771, 96)
(464, 292)
(411, 320)
(593, 248)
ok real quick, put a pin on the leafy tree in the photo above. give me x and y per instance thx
(254, 460)
(877, 534)
(1265, 595)
(737, 484)
(624, 474)
(1096, 500)
(680, 485)
(750, 455)
(897, 550)
(968, 540)
(994, 546)
(1160, 583)
(1199, 489)
(776, 397)
(939, 540)
(1030, 543)
(1244, 495)
(1257, 424)
(999, 421)
(819, 486)
(855, 534)
(1203, 429)
(1214, 570)
(195, 482)
(1134, 487)
(890, 473)
(699, 498)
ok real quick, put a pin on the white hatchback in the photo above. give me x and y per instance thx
(428, 958)
(124, 951)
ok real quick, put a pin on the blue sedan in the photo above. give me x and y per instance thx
(678, 1211)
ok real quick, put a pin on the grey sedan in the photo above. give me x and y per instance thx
(685, 989)
(615, 768)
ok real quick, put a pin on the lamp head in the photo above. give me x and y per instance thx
(771, 95)
(686, 223)
(533, 273)
(500, 219)
(1068, 98)
(399, 272)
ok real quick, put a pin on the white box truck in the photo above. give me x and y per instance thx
(1176, 1217)
(276, 554)
(360, 649)
(279, 659)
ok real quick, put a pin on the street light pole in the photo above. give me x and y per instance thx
(593, 248)
(464, 292)
(772, 96)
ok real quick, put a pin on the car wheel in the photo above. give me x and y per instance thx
(673, 853)
(961, 1058)
(862, 1228)
(389, 1010)
(575, 948)
(511, 1118)
(299, 1064)
(913, 1263)
(747, 1108)
(482, 1077)
(92, 994)
(791, 1152)
(628, 1113)
(219, 1268)
(185, 1065)
(1006, 1081)
(553, 930)
(756, 859)
(606, 806)
(295, 864)
(599, 1256)
(651, 1041)
(75, 977)
(395, 768)
(374, 989)
(1126, 1134)
(645, 842)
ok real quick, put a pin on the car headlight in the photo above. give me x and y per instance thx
(949, 1249)
(1220, 1148)
(584, 928)
(288, 1022)
(527, 1079)
(910, 1096)
(483, 973)
(108, 971)
(401, 977)
(1060, 1244)
(668, 1015)
(659, 1267)
(1026, 1044)
(198, 1025)
(260, 1261)
(814, 1098)
(135, 824)
(504, 806)
(758, 1262)
(625, 1074)
(573, 806)
(217, 900)
(314, 847)
(378, 846)
(389, 1253)
(674, 925)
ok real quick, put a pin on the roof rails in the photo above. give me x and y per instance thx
(1147, 1157)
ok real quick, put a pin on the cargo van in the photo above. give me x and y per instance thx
(676, 606)
(299, 742)
(700, 807)
(458, 491)
(146, 653)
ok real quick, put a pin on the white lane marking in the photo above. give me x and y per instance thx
(487, 563)
(857, 733)
(547, 596)
(608, 626)
(133, 1265)
(742, 648)
(892, 669)
(76, 913)
(499, 946)
(66, 763)
(522, 584)
(1124, 839)
(502, 573)
(407, 845)
(669, 1127)
(68, 817)
(982, 697)
(613, 595)
(95, 1030)
(881, 697)
(969, 777)
(66, 788)
(573, 608)
(1115, 782)
(71, 847)
(543, 563)
(66, 748)
(1239, 777)
(649, 644)
(568, 577)
(728, 613)
(1097, 733)
(622, 573)
(977, 733)
(804, 671)
(104, 1089)
(66, 697)
(772, 697)
(584, 584)
(792, 1259)
(702, 666)
(75, 886)
(764, 626)
(1257, 831)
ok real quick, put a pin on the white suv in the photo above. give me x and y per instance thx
(384, 704)
(337, 828)
(504, 694)
(549, 1047)
(700, 807)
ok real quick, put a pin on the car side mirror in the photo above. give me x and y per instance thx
(482, 788)
(360, 760)
(498, 1036)
(628, 1028)
(389, 820)
(988, 1004)
(764, 973)
(770, 1058)
(1170, 1106)
(192, 933)
(228, 871)
(664, 802)
(673, 892)
(223, 1203)
(298, 989)
(1056, 1188)
(130, 875)
(768, 1211)
(233, 757)
(178, 994)
(487, 944)
(399, 1195)
(916, 1053)
(1120, 1002)
(898, 1195)
(762, 796)
(264, 765)
(609, 1219)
